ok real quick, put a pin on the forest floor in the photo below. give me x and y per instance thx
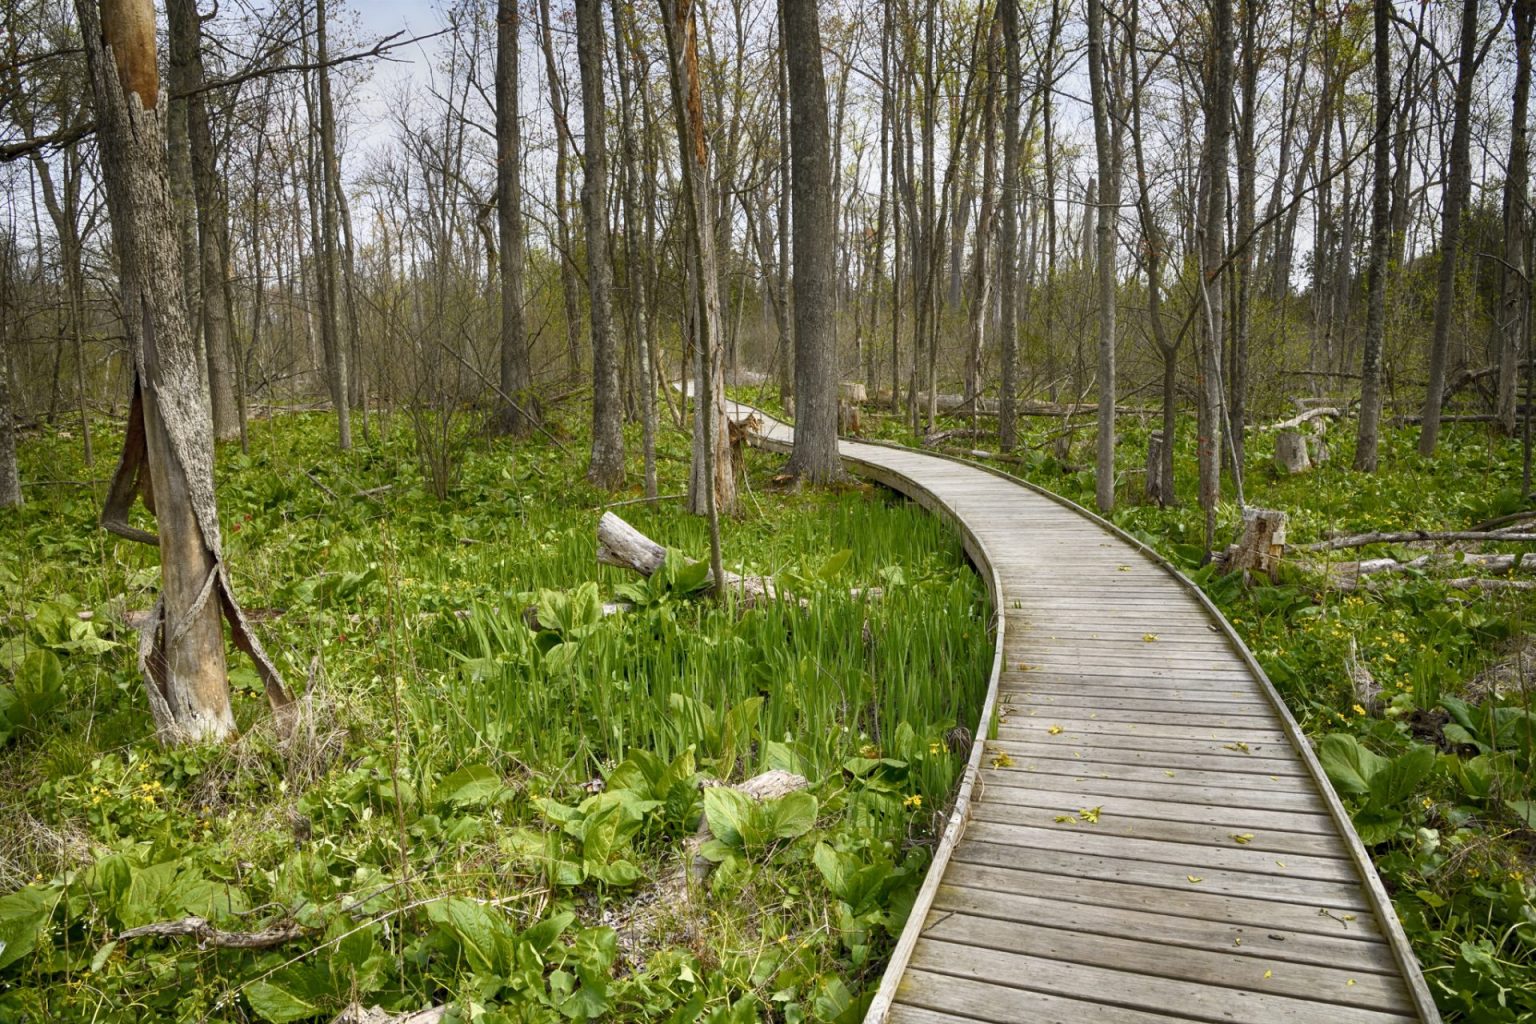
(476, 810)
(500, 815)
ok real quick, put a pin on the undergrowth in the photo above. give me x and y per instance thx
(475, 810)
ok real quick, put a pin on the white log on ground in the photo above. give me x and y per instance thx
(620, 544)
(1303, 418)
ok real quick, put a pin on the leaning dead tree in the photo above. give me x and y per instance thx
(167, 455)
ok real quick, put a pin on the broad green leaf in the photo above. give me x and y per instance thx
(472, 784)
(1399, 779)
(792, 815)
(834, 565)
(1350, 766)
(729, 814)
(23, 914)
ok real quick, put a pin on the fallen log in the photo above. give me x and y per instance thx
(770, 785)
(210, 937)
(620, 544)
(1360, 540)
(1301, 419)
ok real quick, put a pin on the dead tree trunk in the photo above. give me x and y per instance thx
(168, 451)
(1108, 211)
(712, 484)
(1261, 546)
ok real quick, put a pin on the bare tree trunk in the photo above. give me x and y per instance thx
(10, 476)
(815, 455)
(168, 451)
(1008, 13)
(1458, 183)
(636, 256)
(1368, 430)
(1213, 221)
(981, 275)
(569, 285)
(1516, 283)
(1108, 212)
(1247, 199)
(786, 285)
(607, 466)
(187, 63)
(716, 485)
(517, 412)
(331, 187)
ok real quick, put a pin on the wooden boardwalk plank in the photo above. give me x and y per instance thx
(1118, 687)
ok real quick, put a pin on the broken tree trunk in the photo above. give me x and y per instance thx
(1291, 454)
(167, 452)
(1159, 486)
(1261, 546)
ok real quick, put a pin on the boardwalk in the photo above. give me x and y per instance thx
(1221, 879)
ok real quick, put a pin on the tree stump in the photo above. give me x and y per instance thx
(1159, 487)
(1291, 452)
(1262, 545)
(1317, 448)
(854, 391)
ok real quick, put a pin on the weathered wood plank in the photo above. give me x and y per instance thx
(1320, 894)
(1281, 844)
(1036, 767)
(1205, 965)
(1194, 1000)
(1188, 901)
(1259, 940)
(962, 999)
(1006, 789)
(1165, 790)
(1156, 753)
(1192, 857)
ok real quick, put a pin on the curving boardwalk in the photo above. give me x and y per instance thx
(1222, 880)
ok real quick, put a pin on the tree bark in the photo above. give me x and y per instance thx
(815, 455)
(1368, 430)
(1458, 184)
(636, 253)
(168, 452)
(607, 466)
(569, 286)
(329, 230)
(212, 221)
(712, 484)
(1108, 212)
(10, 476)
(1212, 230)
(1008, 257)
(517, 412)
(1516, 281)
